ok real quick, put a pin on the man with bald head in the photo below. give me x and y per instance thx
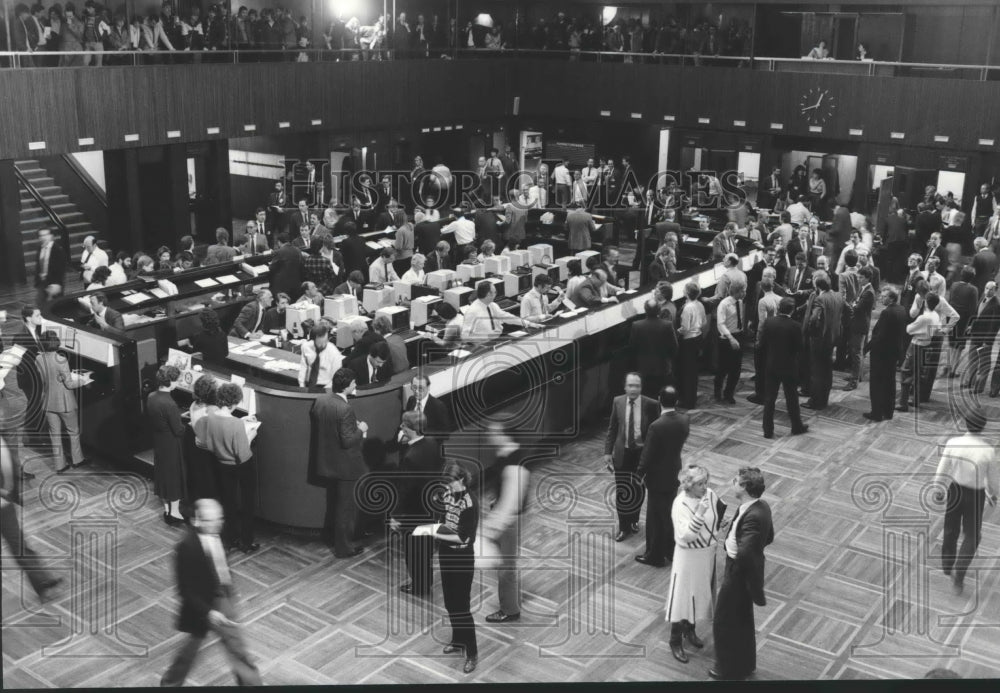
(91, 258)
(205, 584)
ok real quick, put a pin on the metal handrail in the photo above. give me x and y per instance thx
(324, 54)
(49, 212)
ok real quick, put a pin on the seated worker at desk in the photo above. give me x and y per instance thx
(355, 284)
(484, 320)
(311, 294)
(451, 336)
(381, 270)
(590, 292)
(320, 360)
(535, 304)
(211, 341)
(248, 322)
(274, 317)
(105, 319)
(416, 274)
(372, 367)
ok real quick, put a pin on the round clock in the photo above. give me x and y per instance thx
(817, 106)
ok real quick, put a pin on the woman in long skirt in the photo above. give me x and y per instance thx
(695, 513)
(168, 444)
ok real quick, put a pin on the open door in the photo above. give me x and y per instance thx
(909, 183)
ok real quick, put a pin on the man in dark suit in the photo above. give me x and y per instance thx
(354, 251)
(654, 348)
(355, 284)
(781, 344)
(983, 331)
(659, 465)
(897, 240)
(433, 411)
(631, 415)
(336, 460)
(487, 225)
(104, 318)
(886, 349)
(248, 322)
(28, 334)
(857, 319)
(928, 221)
(799, 279)
(935, 249)
(275, 215)
(589, 293)
(205, 584)
(668, 225)
(985, 263)
(724, 243)
(822, 327)
(371, 366)
(770, 190)
(913, 277)
(352, 221)
(50, 268)
(426, 234)
(801, 244)
(743, 580)
(440, 258)
(420, 465)
(285, 267)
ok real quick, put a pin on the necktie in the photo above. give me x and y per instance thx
(314, 368)
(86, 259)
(982, 304)
(631, 424)
(739, 317)
(45, 260)
(493, 324)
(260, 315)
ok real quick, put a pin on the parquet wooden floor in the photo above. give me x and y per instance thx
(852, 585)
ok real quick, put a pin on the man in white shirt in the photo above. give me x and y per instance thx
(535, 304)
(798, 213)
(854, 244)
(923, 330)
(381, 270)
(92, 258)
(484, 320)
(416, 274)
(118, 275)
(590, 174)
(935, 282)
(320, 360)
(431, 214)
(563, 183)
(464, 229)
(969, 470)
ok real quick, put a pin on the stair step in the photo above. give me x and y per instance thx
(43, 219)
(59, 208)
(51, 200)
(47, 192)
(25, 162)
(43, 179)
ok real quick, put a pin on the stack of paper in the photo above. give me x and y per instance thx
(228, 279)
(137, 298)
(205, 283)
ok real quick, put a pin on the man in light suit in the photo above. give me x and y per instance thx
(336, 460)
(247, 325)
(204, 581)
(724, 243)
(631, 415)
(743, 580)
(659, 465)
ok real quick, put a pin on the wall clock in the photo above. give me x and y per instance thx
(818, 106)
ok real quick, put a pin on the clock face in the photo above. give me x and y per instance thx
(817, 106)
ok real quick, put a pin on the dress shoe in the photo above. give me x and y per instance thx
(755, 399)
(800, 431)
(809, 405)
(693, 639)
(249, 548)
(81, 463)
(871, 417)
(634, 528)
(645, 560)
(769, 436)
(502, 617)
(679, 654)
(622, 535)
(470, 664)
(452, 649)
(350, 554)
(171, 520)
(729, 400)
(66, 469)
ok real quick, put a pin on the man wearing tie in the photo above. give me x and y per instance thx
(631, 415)
(50, 268)
(494, 172)
(320, 360)
(659, 466)
(205, 584)
(247, 325)
(724, 243)
(589, 176)
(886, 348)
(436, 421)
(652, 213)
(302, 214)
(773, 188)
(483, 320)
(92, 258)
(730, 321)
(276, 209)
(255, 242)
(743, 580)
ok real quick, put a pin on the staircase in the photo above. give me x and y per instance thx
(33, 217)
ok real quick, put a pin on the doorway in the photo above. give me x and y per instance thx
(845, 34)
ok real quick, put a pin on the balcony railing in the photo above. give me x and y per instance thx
(983, 73)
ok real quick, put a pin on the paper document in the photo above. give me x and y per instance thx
(205, 283)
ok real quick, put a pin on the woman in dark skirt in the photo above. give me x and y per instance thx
(457, 561)
(202, 474)
(168, 444)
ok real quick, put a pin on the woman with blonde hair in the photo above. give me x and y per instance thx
(696, 514)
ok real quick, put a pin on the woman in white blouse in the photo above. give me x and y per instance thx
(695, 514)
(416, 274)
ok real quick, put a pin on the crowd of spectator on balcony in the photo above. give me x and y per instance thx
(97, 34)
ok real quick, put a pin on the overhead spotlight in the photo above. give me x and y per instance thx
(343, 8)
(484, 20)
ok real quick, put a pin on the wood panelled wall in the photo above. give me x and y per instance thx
(61, 106)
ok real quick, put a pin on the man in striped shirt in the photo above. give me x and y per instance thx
(971, 472)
